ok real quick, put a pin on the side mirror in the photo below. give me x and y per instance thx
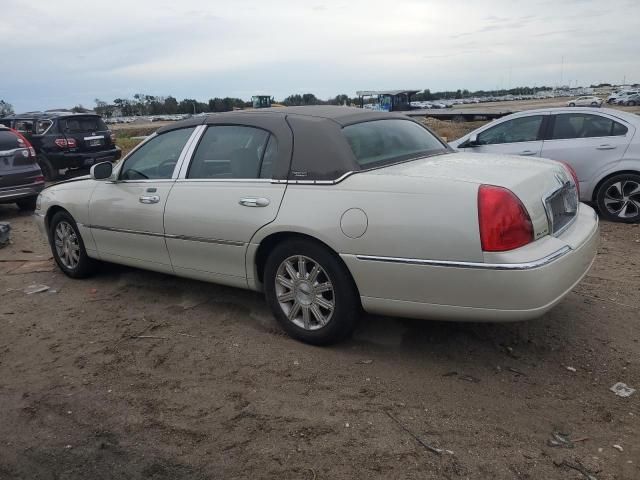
(101, 171)
(472, 141)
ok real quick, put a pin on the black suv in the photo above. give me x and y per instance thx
(65, 140)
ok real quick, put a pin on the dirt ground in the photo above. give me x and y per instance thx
(132, 374)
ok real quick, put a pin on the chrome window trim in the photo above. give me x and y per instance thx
(224, 180)
(472, 265)
(187, 153)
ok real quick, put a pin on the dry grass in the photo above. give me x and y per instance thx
(449, 130)
(127, 144)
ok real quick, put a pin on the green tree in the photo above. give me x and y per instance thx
(5, 108)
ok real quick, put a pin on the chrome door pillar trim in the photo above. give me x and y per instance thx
(187, 153)
(475, 265)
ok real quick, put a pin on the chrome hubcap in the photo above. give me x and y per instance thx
(623, 199)
(67, 245)
(305, 292)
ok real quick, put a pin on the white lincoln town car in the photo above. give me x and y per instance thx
(331, 211)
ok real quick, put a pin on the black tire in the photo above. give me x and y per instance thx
(27, 204)
(50, 173)
(572, 104)
(85, 265)
(594, 104)
(631, 103)
(610, 190)
(344, 295)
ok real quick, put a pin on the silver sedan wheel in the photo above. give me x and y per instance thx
(623, 199)
(305, 292)
(67, 245)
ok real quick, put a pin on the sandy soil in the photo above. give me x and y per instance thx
(132, 374)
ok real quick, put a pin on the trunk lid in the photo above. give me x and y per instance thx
(544, 186)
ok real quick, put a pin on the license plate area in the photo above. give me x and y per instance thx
(561, 207)
(94, 141)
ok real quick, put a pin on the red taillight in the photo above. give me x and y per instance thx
(66, 142)
(504, 222)
(39, 179)
(573, 173)
(27, 144)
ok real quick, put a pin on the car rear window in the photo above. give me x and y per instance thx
(83, 124)
(8, 140)
(380, 142)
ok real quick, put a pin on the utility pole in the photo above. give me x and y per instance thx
(561, 70)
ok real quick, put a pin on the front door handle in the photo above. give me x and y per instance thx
(606, 146)
(527, 152)
(254, 202)
(148, 199)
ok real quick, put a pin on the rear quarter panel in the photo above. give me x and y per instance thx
(406, 217)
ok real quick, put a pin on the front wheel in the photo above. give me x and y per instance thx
(68, 248)
(311, 292)
(631, 103)
(618, 198)
(594, 104)
(572, 104)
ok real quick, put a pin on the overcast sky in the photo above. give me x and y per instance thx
(64, 52)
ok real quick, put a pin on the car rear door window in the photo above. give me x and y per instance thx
(522, 129)
(231, 152)
(157, 158)
(24, 126)
(584, 125)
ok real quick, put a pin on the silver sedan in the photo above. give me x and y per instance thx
(602, 146)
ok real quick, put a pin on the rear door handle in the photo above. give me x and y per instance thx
(148, 199)
(606, 146)
(527, 152)
(254, 202)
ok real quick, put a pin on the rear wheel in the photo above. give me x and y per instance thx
(572, 104)
(68, 248)
(27, 204)
(50, 173)
(594, 104)
(618, 198)
(631, 103)
(311, 292)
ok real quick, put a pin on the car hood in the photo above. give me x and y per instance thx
(530, 179)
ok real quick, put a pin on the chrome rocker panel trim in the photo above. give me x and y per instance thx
(477, 265)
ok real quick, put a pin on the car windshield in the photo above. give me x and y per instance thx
(84, 124)
(382, 142)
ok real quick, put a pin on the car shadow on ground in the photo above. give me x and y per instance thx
(375, 335)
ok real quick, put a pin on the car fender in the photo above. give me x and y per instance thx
(72, 196)
(625, 165)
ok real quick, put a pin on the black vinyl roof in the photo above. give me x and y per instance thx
(49, 115)
(340, 115)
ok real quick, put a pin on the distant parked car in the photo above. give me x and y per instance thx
(64, 140)
(20, 177)
(331, 211)
(616, 97)
(632, 100)
(586, 101)
(602, 145)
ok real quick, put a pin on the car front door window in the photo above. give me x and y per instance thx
(157, 158)
(523, 129)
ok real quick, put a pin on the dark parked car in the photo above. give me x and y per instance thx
(20, 177)
(65, 140)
